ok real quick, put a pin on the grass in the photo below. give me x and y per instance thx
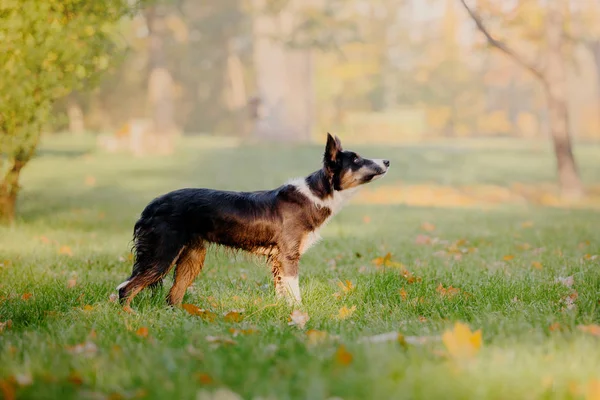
(71, 232)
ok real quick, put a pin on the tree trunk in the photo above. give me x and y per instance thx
(9, 187)
(556, 93)
(595, 50)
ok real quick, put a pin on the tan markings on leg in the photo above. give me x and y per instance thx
(280, 289)
(187, 269)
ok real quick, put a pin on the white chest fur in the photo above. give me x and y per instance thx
(334, 203)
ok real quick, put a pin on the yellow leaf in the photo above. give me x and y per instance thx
(343, 356)
(194, 310)
(591, 329)
(536, 265)
(508, 257)
(26, 296)
(88, 307)
(65, 250)
(527, 224)
(237, 332)
(204, 378)
(556, 326)
(461, 342)
(346, 312)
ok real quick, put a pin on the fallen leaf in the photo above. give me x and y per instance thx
(88, 348)
(568, 281)
(448, 292)
(409, 277)
(593, 390)
(24, 379)
(461, 342)
(26, 296)
(234, 316)
(220, 340)
(536, 264)
(298, 319)
(422, 239)
(142, 332)
(7, 389)
(508, 257)
(204, 378)
(386, 261)
(343, 356)
(346, 287)
(556, 326)
(75, 378)
(90, 181)
(422, 318)
(527, 224)
(71, 283)
(569, 300)
(523, 246)
(5, 325)
(428, 227)
(113, 297)
(316, 337)
(591, 329)
(88, 308)
(345, 312)
(367, 219)
(238, 332)
(589, 257)
(65, 250)
(403, 294)
(195, 310)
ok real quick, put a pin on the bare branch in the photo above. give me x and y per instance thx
(502, 46)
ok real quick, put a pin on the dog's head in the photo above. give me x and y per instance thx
(347, 169)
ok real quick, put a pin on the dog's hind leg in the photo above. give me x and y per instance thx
(188, 267)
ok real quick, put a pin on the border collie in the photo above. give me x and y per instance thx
(281, 224)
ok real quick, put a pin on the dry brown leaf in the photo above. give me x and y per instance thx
(428, 227)
(345, 312)
(234, 316)
(343, 356)
(66, 250)
(316, 337)
(508, 257)
(90, 181)
(142, 332)
(5, 325)
(346, 287)
(567, 281)
(237, 332)
(26, 296)
(220, 340)
(422, 318)
(7, 389)
(409, 277)
(71, 283)
(422, 239)
(202, 313)
(88, 308)
(448, 292)
(386, 261)
(204, 378)
(75, 378)
(537, 265)
(88, 348)
(403, 294)
(556, 326)
(591, 329)
(298, 319)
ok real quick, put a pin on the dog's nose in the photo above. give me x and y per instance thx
(386, 163)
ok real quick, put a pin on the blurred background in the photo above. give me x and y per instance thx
(492, 72)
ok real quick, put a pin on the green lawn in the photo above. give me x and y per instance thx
(69, 250)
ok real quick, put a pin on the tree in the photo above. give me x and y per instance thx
(47, 49)
(553, 77)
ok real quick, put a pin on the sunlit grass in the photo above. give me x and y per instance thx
(532, 348)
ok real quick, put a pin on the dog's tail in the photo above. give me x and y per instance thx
(156, 248)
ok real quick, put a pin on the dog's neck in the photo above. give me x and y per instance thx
(318, 188)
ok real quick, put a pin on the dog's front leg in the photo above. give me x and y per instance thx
(285, 274)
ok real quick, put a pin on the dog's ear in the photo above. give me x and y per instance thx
(333, 147)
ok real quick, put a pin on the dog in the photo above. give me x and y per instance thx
(280, 224)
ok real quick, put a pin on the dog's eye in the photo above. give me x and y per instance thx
(356, 160)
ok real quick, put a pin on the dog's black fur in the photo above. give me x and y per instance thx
(174, 229)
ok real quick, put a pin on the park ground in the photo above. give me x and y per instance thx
(474, 232)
